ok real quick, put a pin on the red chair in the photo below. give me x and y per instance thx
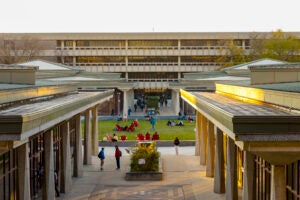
(148, 136)
(136, 123)
(109, 138)
(131, 128)
(155, 136)
(119, 128)
(123, 137)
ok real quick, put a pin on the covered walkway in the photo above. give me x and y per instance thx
(184, 178)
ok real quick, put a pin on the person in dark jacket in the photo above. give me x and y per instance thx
(176, 144)
(118, 155)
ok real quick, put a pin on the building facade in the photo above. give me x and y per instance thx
(153, 64)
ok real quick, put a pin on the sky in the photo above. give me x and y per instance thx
(149, 15)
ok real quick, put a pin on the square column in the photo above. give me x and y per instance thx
(249, 177)
(66, 176)
(203, 140)
(278, 182)
(197, 133)
(95, 140)
(210, 163)
(125, 103)
(87, 156)
(219, 180)
(175, 100)
(48, 186)
(23, 172)
(231, 171)
(78, 166)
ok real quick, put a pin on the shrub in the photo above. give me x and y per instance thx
(149, 154)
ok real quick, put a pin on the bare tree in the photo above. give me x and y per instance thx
(18, 50)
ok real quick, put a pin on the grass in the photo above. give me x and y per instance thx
(165, 132)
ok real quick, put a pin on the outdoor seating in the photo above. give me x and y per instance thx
(140, 137)
(123, 137)
(147, 136)
(131, 128)
(155, 136)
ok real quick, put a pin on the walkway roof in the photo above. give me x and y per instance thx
(245, 121)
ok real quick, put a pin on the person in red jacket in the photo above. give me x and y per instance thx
(118, 155)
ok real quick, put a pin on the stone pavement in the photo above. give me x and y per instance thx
(184, 178)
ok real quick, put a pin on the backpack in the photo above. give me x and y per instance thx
(101, 155)
(120, 153)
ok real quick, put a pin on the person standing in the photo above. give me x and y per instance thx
(101, 156)
(135, 107)
(118, 155)
(152, 122)
(176, 144)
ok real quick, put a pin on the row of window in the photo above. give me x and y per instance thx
(137, 59)
(148, 43)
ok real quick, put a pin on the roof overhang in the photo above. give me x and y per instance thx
(19, 123)
(259, 128)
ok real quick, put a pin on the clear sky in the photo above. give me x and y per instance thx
(149, 15)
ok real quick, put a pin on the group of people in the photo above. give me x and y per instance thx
(118, 155)
(172, 123)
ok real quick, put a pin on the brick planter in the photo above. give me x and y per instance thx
(146, 175)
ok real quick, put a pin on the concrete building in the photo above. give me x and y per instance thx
(152, 64)
(249, 130)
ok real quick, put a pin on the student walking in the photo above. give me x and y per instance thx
(118, 155)
(176, 144)
(101, 156)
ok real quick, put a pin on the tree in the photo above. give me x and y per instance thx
(232, 54)
(282, 46)
(18, 50)
(278, 45)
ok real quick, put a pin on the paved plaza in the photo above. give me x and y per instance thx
(184, 178)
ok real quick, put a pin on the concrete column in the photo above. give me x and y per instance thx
(210, 163)
(219, 180)
(74, 61)
(249, 177)
(231, 171)
(66, 176)
(87, 156)
(175, 101)
(203, 140)
(179, 61)
(78, 168)
(62, 51)
(126, 74)
(125, 102)
(278, 182)
(95, 140)
(243, 44)
(48, 186)
(23, 172)
(197, 133)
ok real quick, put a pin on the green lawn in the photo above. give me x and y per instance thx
(165, 132)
